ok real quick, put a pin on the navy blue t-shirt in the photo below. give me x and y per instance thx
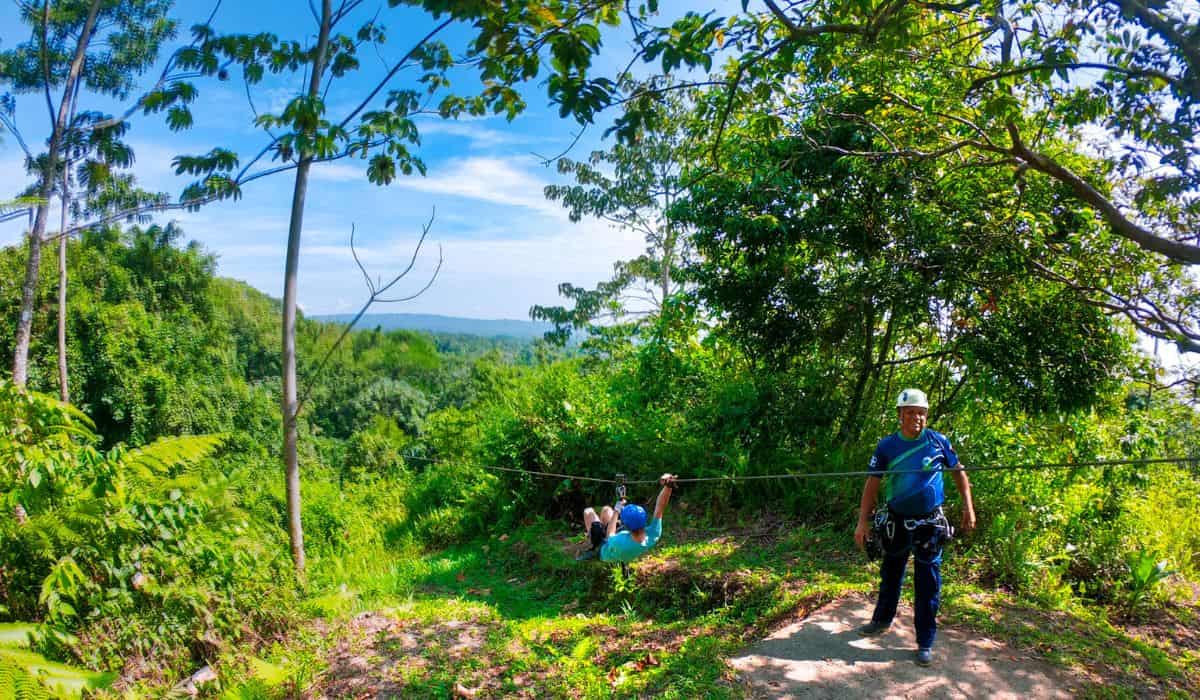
(916, 492)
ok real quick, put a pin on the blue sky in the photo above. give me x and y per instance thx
(505, 246)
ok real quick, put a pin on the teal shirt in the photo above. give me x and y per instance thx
(621, 547)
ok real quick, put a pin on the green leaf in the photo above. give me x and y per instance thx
(179, 118)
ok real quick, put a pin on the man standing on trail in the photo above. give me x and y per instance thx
(913, 459)
(636, 538)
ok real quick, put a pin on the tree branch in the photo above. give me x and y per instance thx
(395, 69)
(1120, 224)
(800, 33)
(1165, 30)
(1136, 72)
(373, 296)
(1151, 321)
(163, 78)
(45, 51)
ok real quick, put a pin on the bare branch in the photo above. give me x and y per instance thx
(927, 356)
(428, 284)
(363, 270)
(11, 126)
(416, 251)
(949, 7)
(800, 33)
(902, 152)
(1149, 319)
(565, 151)
(374, 296)
(899, 99)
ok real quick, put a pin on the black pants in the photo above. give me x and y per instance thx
(598, 534)
(925, 542)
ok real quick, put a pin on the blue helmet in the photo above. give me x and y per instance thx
(633, 517)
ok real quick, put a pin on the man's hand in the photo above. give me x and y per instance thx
(667, 480)
(861, 533)
(968, 519)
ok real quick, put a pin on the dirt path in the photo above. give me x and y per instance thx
(822, 656)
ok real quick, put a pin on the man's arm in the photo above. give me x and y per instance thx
(664, 496)
(616, 516)
(869, 495)
(964, 488)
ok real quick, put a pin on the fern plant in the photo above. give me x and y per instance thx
(154, 537)
(16, 682)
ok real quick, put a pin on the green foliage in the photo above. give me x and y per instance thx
(143, 551)
(1146, 573)
(132, 34)
(156, 345)
(16, 682)
(645, 181)
(507, 45)
(377, 452)
(28, 676)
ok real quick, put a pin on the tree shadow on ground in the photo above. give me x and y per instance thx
(823, 656)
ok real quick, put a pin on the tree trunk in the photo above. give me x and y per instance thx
(291, 266)
(668, 252)
(63, 390)
(885, 349)
(866, 366)
(668, 260)
(33, 265)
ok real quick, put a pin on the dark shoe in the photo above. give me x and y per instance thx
(587, 555)
(873, 629)
(924, 657)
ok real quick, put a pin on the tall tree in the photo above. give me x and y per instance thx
(99, 47)
(982, 85)
(813, 258)
(632, 185)
(92, 181)
(506, 45)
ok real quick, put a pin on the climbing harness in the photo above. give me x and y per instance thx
(924, 537)
(621, 500)
(874, 544)
(618, 506)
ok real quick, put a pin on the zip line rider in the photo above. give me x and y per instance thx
(636, 536)
(913, 520)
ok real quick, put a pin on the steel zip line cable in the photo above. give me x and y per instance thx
(830, 475)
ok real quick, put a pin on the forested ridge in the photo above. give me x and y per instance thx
(207, 493)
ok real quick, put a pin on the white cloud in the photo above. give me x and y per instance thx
(479, 136)
(505, 247)
(339, 172)
(498, 277)
(494, 180)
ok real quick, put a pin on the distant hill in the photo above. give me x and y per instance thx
(485, 328)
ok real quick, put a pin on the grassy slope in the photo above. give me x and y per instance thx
(517, 617)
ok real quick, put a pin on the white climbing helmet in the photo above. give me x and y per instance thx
(912, 397)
